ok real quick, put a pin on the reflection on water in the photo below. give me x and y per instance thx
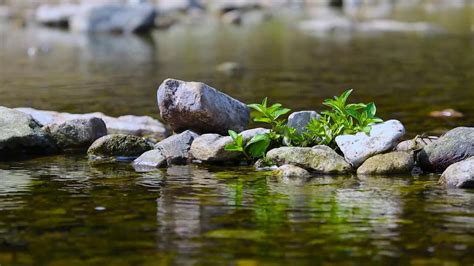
(190, 214)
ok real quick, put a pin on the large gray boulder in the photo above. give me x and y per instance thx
(459, 175)
(383, 137)
(299, 120)
(211, 147)
(20, 134)
(397, 162)
(118, 147)
(454, 146)
(149, 161)
(200, 108)
(176, 148)
(127, 124)
(114, 18)
(77, 133)
(319, 159)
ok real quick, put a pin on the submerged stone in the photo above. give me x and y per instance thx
(117, 147)
(459, 175)
(398, 162)
(21, 135)
(454, 146)
(200, 108)
(149, 161)
(383, 137)
(288, 170)
(316, 159)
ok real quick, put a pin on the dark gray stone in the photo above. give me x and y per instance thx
(459, 175)
(200, 108)
(299, 120)
(117, 147)
(21, 135)
(454, 146)
(176, 148)
(77, 133)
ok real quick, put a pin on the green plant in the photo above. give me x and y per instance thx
(253, 149)
(341, 118)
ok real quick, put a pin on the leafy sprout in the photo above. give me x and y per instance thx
(341, 118)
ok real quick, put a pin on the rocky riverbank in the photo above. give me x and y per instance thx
(201, 115)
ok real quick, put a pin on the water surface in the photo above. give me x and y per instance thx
(62, 211)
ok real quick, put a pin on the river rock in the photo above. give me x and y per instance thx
(288, 170)
(316, 159)
(20, 134)
(55, 15)
(118, 147)
(114, 18)
(77, 133)
(299, 120)
(200, 108)
(454, 146)
(459, 175)
(127, 124)
(210, 147)
(415, 144)
(176, 148)
(397, 162)
(149, 161)
(230, 68)
(383, 137)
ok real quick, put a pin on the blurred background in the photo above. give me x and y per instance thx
(413, 58)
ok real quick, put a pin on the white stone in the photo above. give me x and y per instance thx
(383, 137)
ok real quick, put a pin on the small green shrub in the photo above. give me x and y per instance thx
(341, 118)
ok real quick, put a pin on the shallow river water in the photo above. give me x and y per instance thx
(62, 211)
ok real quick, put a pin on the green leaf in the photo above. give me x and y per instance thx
(233, 147)
(257, 107)
(355, 106)
(371, 109)
(262, 120)
(280, 112)
(232, 134)
(366, 129)
(345, 95)
(239, 140)
(258, 145)
(353, 113)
